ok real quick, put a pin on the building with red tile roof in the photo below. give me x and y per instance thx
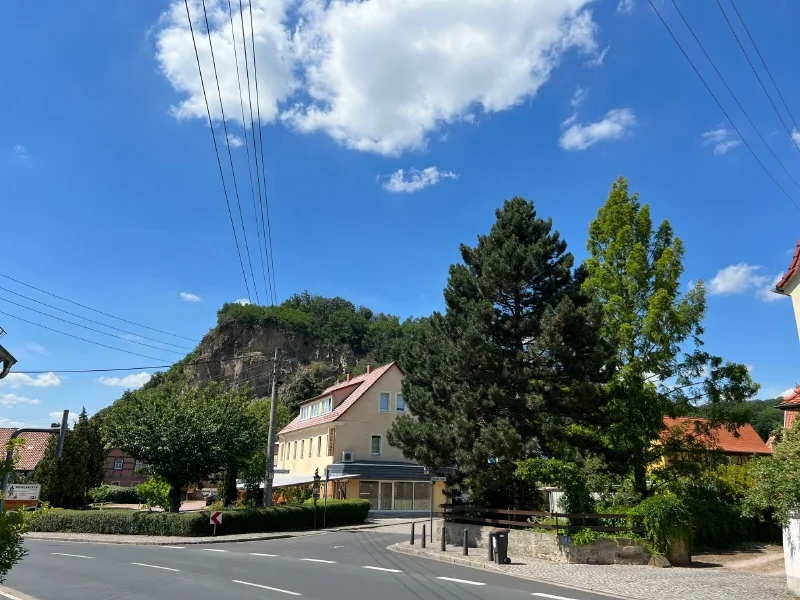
(32, 450)
(342, 434)
(738, 445)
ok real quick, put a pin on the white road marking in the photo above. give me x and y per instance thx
(266, 587)
(260, 554)
(214, 550)
(319, 560)
(155, 567)
(550, 596)
(338, 547)
(9, 596)
(461, 581)
(72, 555)
(175, 547)
(382, 569)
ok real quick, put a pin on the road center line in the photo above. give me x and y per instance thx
(260, 554)
(214, 550)
(72, 555)
(461, 581)
(383, 569)
(175, 547)
(155, 567)
(550, 596)
(319, 560)
(266, 587)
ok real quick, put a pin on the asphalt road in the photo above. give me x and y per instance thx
(329, 566)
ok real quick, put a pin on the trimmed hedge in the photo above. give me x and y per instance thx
(247, 520)
(115, 494)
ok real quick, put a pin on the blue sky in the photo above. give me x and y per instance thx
(392, 130)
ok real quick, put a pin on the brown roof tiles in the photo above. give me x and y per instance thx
(33, 450)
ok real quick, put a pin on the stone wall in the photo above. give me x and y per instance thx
(605, 551)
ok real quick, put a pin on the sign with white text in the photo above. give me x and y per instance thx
(27, 491)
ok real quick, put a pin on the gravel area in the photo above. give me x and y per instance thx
(385, 525)
(640, 582)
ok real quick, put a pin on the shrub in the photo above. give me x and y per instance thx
(155, 492)
(116, 494)
(665, 519)
(12, 526)
(246, 520)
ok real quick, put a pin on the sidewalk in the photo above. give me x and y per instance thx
(144, 540)
(639, 582)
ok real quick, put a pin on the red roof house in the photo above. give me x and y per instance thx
(32, 451)
(739, 445)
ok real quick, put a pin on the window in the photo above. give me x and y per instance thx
(118, 464)
(283, 450)
(115, 483)
(137, 466)
(327, 405)
(305, 413)
(319, 446)
(294, 454)
(375, 445)
(302, 447)
(400, 403)
(315, 409)
(385, 401)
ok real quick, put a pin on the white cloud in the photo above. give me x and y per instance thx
(129, 381)
(234, 141)
(242, 301)
(18, 380)
(378, 76)
(722, 140)
(740, 278)
(625, 6)
(71, 418)
(796, 136)
(190, 297)
(616, 124)
(597, 61)
(12, 399)
(417, 180)
(20, 151)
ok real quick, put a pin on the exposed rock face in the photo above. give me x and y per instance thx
(242, 353)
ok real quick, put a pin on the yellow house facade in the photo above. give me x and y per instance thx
(342, 435)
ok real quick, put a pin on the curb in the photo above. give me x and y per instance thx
(222, 539)
(14, 594)
(403, 548)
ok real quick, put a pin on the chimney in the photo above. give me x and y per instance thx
(348, 377)
(369, 369)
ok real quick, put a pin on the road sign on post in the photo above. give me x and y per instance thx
(216, 519)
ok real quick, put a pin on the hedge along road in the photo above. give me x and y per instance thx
(331, 566)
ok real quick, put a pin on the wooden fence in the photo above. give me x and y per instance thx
(536, 519)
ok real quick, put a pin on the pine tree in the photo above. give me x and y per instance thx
(511, 370)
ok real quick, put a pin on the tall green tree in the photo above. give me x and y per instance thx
(511, 370)
(635, 274)
(185, 434)
(66, 481)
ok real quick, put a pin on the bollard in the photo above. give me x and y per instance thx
(423, 535)
(491, 547)
(466, 542)
(412, 534)
(443, 541)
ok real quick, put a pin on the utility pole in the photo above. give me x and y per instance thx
(273, 418)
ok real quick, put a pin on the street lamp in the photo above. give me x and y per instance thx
(316, 494)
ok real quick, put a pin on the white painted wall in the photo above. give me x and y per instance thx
(791, 555)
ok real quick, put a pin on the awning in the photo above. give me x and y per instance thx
(282, 480)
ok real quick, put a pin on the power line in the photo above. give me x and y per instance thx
(77, 337)
(749, 62)
(735, 99)
(90, 320)
(722, 108)
(261, 252)
(230, 154)
(216, 149)
(763, 62)
(261, 142)
(166, 366)
(255, 155)
(87, 327)
(96, 310)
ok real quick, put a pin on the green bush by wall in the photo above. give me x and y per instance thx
(247, 520)
(115, 494)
